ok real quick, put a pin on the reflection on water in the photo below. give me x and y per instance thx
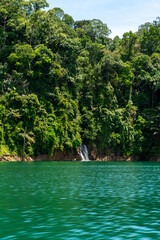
(79, 200)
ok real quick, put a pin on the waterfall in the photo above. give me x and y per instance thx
(84, 152)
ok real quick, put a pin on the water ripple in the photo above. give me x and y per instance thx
(65, 201)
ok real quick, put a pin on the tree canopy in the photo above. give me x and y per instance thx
(67, 82)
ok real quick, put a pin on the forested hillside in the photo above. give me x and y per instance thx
(66, 82)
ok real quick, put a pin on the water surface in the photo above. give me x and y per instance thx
(79, 200)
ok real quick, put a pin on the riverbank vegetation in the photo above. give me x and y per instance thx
(66, 82)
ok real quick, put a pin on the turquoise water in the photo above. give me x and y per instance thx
(79, 200)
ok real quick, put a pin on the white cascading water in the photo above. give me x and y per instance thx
(84, 152)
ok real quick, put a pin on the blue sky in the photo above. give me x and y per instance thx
(120, 15)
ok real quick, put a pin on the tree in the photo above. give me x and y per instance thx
(8, 12)
(114, 45)
(143, 87)
(95, 29)
(128, 45)
(150, 41)
(34, 10)
(12, 26)
(68, 20)
(58, 12)
(41, 79)
(20, 66)
(22, 58)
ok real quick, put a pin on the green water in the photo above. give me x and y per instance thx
(79, 200)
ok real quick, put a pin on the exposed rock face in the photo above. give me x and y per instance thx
(96, 155)
(59, 156)
(74, 155)
(13, 158)
(154, 159)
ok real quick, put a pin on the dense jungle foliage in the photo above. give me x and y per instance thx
(66, 82)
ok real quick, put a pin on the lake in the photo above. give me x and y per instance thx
(79, 200)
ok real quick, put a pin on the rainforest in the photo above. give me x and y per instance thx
(66, 82)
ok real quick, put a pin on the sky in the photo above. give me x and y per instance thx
(120, 15)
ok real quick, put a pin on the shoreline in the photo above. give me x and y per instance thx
(73, 158)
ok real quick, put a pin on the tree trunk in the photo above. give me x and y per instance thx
(24, 144)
